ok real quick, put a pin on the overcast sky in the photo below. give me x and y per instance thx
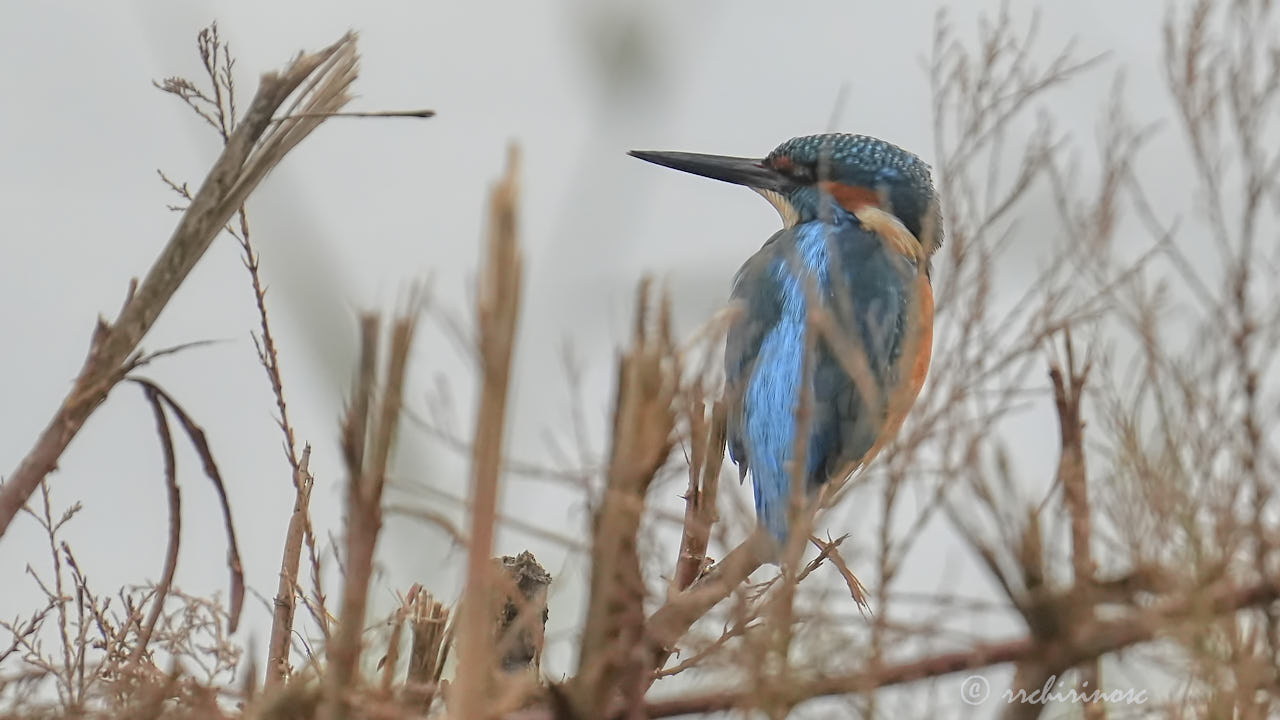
(363, 208)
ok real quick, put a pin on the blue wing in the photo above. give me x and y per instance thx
(866, 287)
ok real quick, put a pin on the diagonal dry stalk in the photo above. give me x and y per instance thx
(256, 146)
(497, 310)
(288, 588)
(217, 106)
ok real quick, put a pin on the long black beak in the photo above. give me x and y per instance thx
(739, 171)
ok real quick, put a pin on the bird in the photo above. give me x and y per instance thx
(852, 265)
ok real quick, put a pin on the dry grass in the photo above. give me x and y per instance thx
(1151, 547)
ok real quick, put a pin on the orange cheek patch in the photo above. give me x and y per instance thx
(851, 197)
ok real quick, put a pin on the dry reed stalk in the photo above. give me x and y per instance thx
(497, 309)
(611, 659)
(257, 146)
(288, 588)
(368, 430)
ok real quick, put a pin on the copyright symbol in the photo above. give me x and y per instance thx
(974, 690)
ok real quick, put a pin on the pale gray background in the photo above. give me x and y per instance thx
(363, 208)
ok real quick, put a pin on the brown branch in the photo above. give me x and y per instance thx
(1089, 642)
(669, 623)
(250, 153)
(497, 310)
(708, 445)
(1068, 390)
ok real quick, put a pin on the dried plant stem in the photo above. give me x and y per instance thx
(497, 309)
(251, 152)
(1068, 390)
(643, 424)
(200, 443)
(175, 526)
(287, 590)
(669, 623)
(706, 459)
(364, 494)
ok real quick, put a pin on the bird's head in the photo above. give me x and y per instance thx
(802, 175)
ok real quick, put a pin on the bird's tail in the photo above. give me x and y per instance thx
(773, 505)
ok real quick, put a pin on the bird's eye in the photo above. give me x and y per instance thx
(802, 173)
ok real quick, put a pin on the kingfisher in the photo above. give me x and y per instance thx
(852, 265)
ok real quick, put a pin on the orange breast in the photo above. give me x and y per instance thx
(916, 353)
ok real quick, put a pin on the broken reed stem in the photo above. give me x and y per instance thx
(520, 612)
(288, 589)
(497, 310)
(427, 625)
(250, 153)
(344, 647)
(364, 493)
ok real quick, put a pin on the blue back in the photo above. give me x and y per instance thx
(866, 287)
